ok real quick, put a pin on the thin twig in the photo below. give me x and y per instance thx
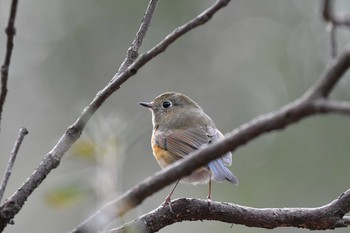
(335, 70)
(133, 51)
(338, 19)
(331, 27)
(11, 162)
(333, 40)
(10, 31)
(337, 106)
(327, 10)
(329, 216)
(14, 204)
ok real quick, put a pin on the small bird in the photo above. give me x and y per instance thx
(180, 127)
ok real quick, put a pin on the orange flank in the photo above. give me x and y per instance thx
(164, 157)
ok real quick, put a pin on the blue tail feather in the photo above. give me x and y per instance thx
(221, 172)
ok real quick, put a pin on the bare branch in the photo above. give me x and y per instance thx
(13, 205)
(330, 216)
(337, 106)
(10, 31)
(327, 10)
(11, 162)
(133, 51)
(332, 30)
(336, 19)
(333, 73)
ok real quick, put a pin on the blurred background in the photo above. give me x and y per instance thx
(251, 58)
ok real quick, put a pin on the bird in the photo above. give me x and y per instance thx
(181, 127)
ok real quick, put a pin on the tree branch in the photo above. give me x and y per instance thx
(13, 205)
(133, 51)
(330, 216)
(336, 106)
(333, 20)
(327, 11)
(332, 30)
(333, 73)
(10, 31)
(11, 162)
(285, 116)
(330, 16)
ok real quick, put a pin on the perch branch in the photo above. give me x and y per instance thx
(11, 162)
(14, 204)
(10, 31)
(329, 216)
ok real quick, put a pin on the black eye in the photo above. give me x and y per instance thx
(166, 104)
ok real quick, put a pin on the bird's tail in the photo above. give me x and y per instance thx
(221, 172)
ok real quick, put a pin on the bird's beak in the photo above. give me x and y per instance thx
(147, 104)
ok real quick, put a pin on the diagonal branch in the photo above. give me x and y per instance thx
(285, 116)
(333, 73)
(333, 20)
(337, 106)
(10, 31)
(331, 17)
(332, 30)
(327, 11)
(330, 216)
(133, 51)
(11, 162)
(14, 204)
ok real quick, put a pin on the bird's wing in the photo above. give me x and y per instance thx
(184, 141)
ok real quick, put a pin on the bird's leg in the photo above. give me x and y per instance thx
(168, 198)
(209, 191)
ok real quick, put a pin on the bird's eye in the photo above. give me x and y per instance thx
(166, 104)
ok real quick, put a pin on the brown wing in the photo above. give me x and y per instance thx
(182, 142)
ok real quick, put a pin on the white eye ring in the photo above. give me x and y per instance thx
(166, 104)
